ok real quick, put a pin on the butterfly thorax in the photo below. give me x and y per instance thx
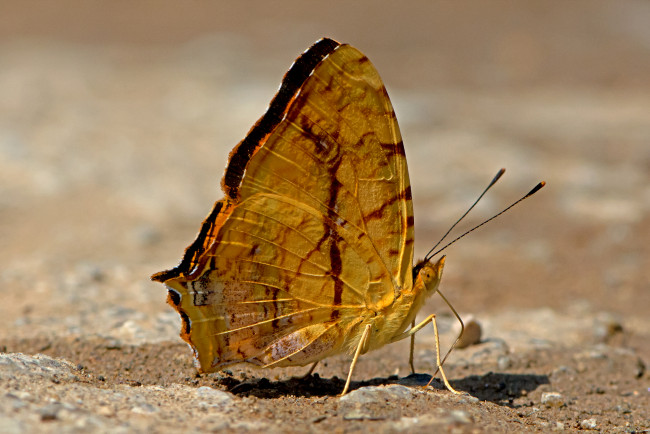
(395, 318)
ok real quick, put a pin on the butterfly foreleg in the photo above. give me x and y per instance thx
(362, 343)
(413, 330)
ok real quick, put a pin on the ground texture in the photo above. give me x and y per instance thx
(115, 126)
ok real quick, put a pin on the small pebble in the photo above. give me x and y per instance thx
(607, 326)
(105, 410)
(50, 412)
(144, 408)
(552, 399)
(360, 414)
(366, 395)
(503, 363)
(562, 371)
(461, 416)
(640, 368)
(588, 424)
(214, 397)
(471, 334)
(468, 398)
(623, 408)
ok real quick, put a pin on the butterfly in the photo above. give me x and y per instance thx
(310, 252)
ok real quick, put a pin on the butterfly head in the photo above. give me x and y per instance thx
(429, 273)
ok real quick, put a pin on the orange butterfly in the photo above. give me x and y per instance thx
(310, 252)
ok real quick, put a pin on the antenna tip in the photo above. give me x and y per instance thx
(496, 178)
(536, 188)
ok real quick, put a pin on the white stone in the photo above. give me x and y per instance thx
(552, 399)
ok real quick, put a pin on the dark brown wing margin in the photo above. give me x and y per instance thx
(291, 83)
(194, 250)
(241, 154)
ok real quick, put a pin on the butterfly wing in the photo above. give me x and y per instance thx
(316, 229)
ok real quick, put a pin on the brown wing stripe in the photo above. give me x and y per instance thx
(195, 250)
(393, 149)
(379, 212)
(407, 193)
(291, 84)
(337, 268)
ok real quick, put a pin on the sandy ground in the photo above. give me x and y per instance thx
(115, 126)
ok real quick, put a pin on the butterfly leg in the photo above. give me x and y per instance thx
(362, 343)
(311, 370)
(412, 349)
(430, 319)
(438, 362)
(462, 324)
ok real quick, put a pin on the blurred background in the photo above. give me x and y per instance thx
(116, 120)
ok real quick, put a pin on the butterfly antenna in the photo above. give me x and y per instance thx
(494, 181)
(530, 193)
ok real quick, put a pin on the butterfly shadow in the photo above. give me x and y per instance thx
(310, 386)
(501, 389)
